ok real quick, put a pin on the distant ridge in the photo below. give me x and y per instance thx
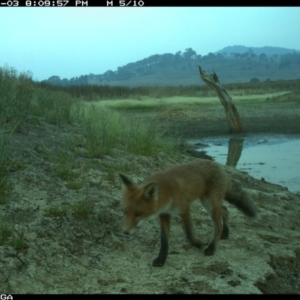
(233, 64)
(268, 50)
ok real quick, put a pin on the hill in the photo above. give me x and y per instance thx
(233, 64)
(269, 51)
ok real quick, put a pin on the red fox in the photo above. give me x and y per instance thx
(170, 192)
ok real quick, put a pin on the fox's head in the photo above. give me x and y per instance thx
(138, 203)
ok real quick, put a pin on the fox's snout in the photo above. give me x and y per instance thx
(128, 229)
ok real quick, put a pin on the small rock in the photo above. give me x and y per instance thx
(184, 279)
(234, 282)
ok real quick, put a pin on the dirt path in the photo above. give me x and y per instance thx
(73, 253)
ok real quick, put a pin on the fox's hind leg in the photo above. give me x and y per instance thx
(188, 227)
(218, 214)
(225, 233)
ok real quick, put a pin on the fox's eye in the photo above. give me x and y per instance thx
(138, 213)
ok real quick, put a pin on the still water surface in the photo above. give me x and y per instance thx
(275, 158)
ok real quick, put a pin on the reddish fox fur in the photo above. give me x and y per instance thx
(170, 192)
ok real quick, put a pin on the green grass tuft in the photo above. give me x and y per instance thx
(83, 208)
(5, 233)
(19, 244)
(56, 211)
(107, 130)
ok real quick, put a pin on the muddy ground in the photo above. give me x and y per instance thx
(72, 252)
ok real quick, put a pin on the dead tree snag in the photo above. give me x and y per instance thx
(232, 115)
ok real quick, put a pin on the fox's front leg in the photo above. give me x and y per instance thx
(164, 220)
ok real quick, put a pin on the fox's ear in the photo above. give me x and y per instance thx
(126, 180)
(150, 191)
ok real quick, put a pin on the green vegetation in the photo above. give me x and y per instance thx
(107, 124)
(19, 244)
(152, 104)
(106, 92)
(75, 185)
(21, 100)
(7, 238)
(56, 211)
(114, 168)
(16, 92)
(107, 130)
(5, 233)
(102, 131)
(55, 106)
(4, 165)
(64, 158)
(83, 208)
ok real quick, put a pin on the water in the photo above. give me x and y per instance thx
(274, 158)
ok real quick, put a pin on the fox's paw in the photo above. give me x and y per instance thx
(197, 244)
(158, 262)
(210, 250)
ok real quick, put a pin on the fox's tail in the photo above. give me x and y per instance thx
(240, 199)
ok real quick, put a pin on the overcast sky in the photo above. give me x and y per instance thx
(73, 41)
